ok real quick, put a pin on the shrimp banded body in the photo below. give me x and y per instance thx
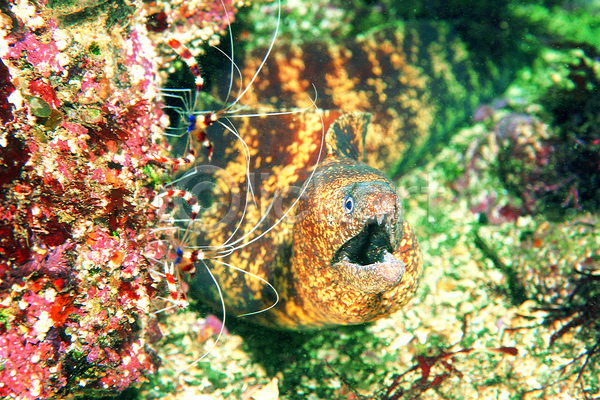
(324, 229)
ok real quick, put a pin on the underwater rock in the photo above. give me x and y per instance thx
(569, 253)
(544, 143)
(528, 162)
(552, 161)
(81, 121)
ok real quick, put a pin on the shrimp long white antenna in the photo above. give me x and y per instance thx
(193, 202)
(249, 188)
(231, 59)
(231, 247)
(264, 60)
(260, 279)
(197, 123)
(235, 243)
(227, 248)
(221, 330)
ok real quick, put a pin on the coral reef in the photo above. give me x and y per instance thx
(81, 125)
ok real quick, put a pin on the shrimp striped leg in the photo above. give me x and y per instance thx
(184, 262)
(188, 197)
(186, 55)
(159, 159)
(176, 294)
(197, 123)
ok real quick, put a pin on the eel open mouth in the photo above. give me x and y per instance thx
(366, 262)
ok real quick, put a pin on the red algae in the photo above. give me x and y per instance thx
(6, 88)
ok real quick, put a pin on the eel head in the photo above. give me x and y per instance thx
(366, 261)
(355, 258)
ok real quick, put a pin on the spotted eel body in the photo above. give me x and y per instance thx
(343, 254)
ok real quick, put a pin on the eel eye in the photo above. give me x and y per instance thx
(348, 204)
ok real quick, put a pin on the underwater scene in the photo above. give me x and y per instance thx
(299, 199)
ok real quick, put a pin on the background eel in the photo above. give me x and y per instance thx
(344, 255)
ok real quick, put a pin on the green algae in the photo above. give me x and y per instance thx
(580, 24)
(39, 107)
(94, 49)
(111, 12)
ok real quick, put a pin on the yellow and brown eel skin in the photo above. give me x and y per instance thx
(297, 256)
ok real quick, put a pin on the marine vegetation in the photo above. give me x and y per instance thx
(554, 168)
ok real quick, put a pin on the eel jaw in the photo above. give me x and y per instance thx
(366, 261)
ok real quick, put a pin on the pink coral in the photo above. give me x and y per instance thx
(28, 366)
(75, 215)
(38, 53)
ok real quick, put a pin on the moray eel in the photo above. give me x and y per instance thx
(342, 255)
(418, 79)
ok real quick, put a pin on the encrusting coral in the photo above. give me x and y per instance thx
(81, 124)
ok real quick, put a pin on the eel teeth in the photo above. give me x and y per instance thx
(388, 257)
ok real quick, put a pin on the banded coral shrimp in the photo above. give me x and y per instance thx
(182, 103)
(207, 233)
